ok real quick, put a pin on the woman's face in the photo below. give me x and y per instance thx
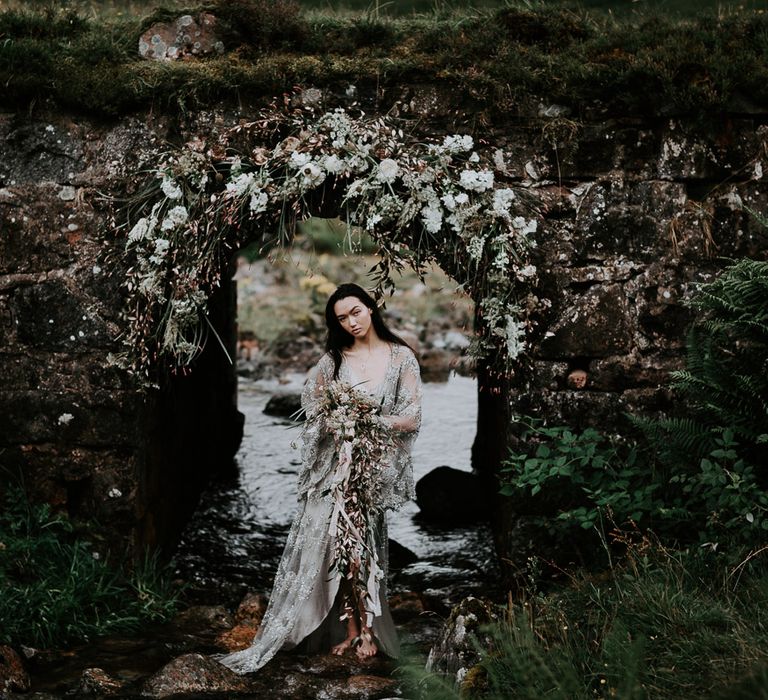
(354, 316)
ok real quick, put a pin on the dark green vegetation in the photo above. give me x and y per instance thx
(698, 476)
(647, 63)
(56, 589)
(662, 624)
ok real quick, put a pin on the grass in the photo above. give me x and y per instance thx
(58, 590)
(663, 624)
(650, 63)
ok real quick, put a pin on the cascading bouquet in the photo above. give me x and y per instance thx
(362, 441)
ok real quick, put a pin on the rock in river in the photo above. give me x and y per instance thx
(193, 673)
(451, 496)
(285, 405)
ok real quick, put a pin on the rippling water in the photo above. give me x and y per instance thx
(236, 537)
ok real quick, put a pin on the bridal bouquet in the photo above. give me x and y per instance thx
(361, 440)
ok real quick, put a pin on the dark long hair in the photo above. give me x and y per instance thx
(338, 338)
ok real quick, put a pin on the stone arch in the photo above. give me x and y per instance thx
(436, 200)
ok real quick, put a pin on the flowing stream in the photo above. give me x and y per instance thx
(235, 539)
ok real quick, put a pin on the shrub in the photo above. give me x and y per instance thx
(698, 477)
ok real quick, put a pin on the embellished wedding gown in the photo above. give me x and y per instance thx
(306, 600)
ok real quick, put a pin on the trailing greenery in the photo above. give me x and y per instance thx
(662, 624)
(646, 63)
(696, 477)
(58, 590)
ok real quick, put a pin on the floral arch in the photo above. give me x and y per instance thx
(446, 201)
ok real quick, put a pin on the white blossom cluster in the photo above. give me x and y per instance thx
(387, 188)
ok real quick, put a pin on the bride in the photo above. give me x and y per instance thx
(316, 605)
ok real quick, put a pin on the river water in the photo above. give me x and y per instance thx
(234, 541)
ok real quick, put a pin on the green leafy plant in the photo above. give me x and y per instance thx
(594, 474)
(57, 589)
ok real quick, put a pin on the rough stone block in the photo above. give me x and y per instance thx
(598, 324)
(51, 315)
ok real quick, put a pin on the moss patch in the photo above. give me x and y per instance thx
(644, 64)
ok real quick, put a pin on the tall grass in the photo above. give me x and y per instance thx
(56, 589)
(664, 624)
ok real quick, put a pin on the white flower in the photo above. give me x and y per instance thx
(475, 247)
(356, 188)
(258, 202)
(372, 221)
(502, 201)
(175, 217)
(474, 158)
(161, 250)
(432, 216)
(501, 260)
(449, 201)
(458, 144)
(312, 175)
(462, 198)
(241, 185)
(476, 181)
(526, 272)
(115, 492)
(388, 170)
(140, 230)
(170, 188)
(299, 160)
(524, 227)
(515, 337)
(65, 419)
(333, 164)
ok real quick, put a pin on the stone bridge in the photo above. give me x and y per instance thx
(637, 213)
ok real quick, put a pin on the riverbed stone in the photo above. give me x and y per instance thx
(209, 617)
(193, 673)
(13, 675)
(451, 496)
(96, 681)
(285, 405)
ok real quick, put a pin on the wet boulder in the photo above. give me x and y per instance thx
(205, 617)
(285, 405)
(96, 681)
(193, 673)
(13, 675)
(451, 496)
(400, 556)
(248, 619)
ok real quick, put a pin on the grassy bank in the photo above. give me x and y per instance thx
(651, 62)
(663, 624)
(57, 588)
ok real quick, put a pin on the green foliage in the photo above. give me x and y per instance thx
(650, 630)
(56, 590)
(664, 624)
(700, 476)
(596, 474)
(643, 63)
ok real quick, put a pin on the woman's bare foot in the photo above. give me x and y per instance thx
(341, 648)
(367, 647)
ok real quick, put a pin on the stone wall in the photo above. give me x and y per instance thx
(636, 214)
(78, 431)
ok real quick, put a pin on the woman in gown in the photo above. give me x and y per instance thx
(308, 601)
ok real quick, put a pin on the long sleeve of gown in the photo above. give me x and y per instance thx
(314, 469)
(405, 421)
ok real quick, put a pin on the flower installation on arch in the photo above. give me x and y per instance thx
(443, 202)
